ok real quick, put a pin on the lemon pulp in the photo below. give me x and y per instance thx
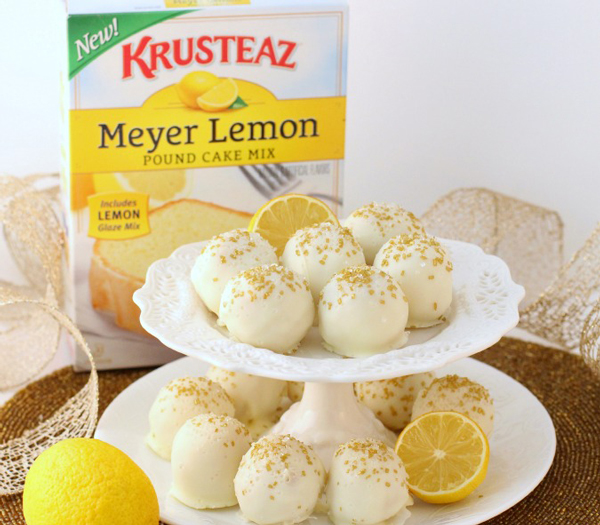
(160, 185)
(445, 454)
(281, 217)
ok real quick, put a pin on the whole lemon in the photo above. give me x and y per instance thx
(88, 482)
(194, 85)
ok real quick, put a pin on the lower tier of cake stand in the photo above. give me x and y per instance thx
(522, 444)
(329, 415)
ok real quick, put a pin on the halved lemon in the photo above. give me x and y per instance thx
(445, 454)
(220, 97)
(160, 185)
(194, 85)
(281, 217)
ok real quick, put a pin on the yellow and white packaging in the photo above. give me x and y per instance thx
(181, 118)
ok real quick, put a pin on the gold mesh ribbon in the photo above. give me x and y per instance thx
(590, 340)
(36, 241)
(34, 234)
(529, 238)
(560, 312)
(76, 418)
(31, 321)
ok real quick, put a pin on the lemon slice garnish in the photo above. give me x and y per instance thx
(281, 217)
(446, 456)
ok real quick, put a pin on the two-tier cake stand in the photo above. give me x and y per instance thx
(484, 308)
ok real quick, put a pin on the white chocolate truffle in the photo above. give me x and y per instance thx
(207, 452)
(391, 400)
(224, 257)
(424, 271)
(268, 307)
(375, 224)
(367, 484)
(279, 481)
(319, 252)
(255, 398)
(177, 402)
(362, 311)
(457, 394)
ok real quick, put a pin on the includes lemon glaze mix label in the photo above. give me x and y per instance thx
(181, 118)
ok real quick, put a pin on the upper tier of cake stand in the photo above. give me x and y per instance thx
(484, 307)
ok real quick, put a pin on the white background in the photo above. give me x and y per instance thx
(442, 94)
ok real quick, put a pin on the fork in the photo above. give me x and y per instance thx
(270, 180)
(273, 180)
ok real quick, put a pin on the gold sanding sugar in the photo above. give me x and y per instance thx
(387, 216)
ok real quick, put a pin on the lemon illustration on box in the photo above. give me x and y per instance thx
(180, 123)
(203, 90)
(195, 85)
(161, 185)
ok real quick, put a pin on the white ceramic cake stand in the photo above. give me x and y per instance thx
(485, 307)
(522, 447)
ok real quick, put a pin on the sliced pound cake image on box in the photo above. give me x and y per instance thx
(118, 267)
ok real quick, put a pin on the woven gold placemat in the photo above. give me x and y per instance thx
(569, 494)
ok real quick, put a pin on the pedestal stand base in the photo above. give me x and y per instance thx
(329, 415)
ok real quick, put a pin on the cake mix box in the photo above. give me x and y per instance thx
(181, 118)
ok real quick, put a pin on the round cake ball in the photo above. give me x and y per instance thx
(224, 257)
(367, 484)
(375, 224)
(319, 252)
(268, 307)
(391, 400)
(207, 452)
(253, 397)
(457, 394)
(279, 481)
(177, 402)
(362, 311)
(424, 271)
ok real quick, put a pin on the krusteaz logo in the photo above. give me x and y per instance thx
(92, 35)
(92, 41)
